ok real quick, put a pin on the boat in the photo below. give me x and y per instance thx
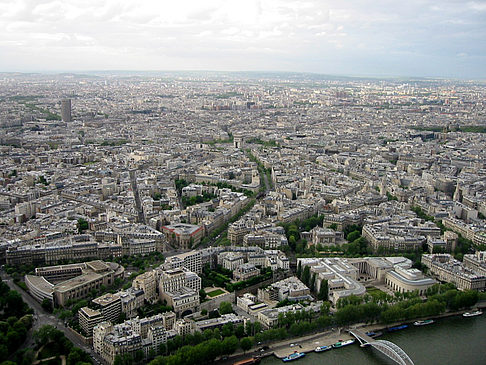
(342, 343)
(423, 323)
(472, 314)
(295, 356)
(250, 361)
(374, 334)
(397, 328)
(322, 348)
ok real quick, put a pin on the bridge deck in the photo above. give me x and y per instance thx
(361, 336)
(387, 348)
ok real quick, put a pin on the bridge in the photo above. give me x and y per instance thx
(387, 348)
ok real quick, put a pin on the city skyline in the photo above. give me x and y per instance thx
(359, 38)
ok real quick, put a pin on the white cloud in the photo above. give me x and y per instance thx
(238, 34)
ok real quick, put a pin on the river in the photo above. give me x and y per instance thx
(448, 341)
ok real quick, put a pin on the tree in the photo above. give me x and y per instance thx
(44, 334)
(82, 225)
(3, 352)
(249, 329)
(306, 275)
(227, 330)
(292, 241)
(47, 305)
(118, 360)
(323, 291)
(354, 235)
(230, 344)
(299, 270)
(257, 327)
(13, 305)
(240, 331)
(162, 350)
(74, 356)
(139, 356)
(202, 295)
(312, 282)
(225, 308)
(246, 344)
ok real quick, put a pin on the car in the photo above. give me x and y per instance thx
(294, 344)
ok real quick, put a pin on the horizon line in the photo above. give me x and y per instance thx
(350, 76)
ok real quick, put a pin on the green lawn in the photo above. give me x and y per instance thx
(214, 293)
(373, 290)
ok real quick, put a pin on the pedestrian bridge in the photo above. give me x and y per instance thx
(387, 348)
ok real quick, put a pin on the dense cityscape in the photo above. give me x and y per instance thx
(185, 218)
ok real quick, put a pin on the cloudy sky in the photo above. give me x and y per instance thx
(445, 38)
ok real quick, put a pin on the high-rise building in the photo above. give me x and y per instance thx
(66, 110)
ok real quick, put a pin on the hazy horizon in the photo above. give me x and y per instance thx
(356, 38)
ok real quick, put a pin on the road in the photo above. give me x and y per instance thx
(267, 184)
(41, 318)
(136, 194)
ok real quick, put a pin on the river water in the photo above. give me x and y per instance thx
(448, 341)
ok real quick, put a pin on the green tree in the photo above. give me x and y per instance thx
(312, 282)
(306, 275)
(44, 334)
(240, 331)
(225, 308)
(202, 295)
(82, 225)
(118, 360)
(246, 343)
(47, 305)
(230, 345)
(323, 291)
(299, 269)
(139, 356)
(3, 351)
(75, 356)
(162, 350)
(354, 235)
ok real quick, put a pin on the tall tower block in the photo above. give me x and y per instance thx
(66, 110)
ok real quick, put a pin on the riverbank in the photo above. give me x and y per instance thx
(308, 343)
(449, 341)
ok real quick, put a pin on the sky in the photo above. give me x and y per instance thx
(442, 38)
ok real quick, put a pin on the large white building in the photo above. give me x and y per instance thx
(148, 283)
(189, 260)
(448, 269)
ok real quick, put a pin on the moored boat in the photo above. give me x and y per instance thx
(423, 323)
(374, 334)
(296, 355)
(250, 361)
(342, 343)
(397, 328)
(472, 314)
(322, 348)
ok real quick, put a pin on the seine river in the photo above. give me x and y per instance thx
(448, 341)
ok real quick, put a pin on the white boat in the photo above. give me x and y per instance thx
(322, 348)
(472, 314)
(295, 356)
(342, 343)
(423, 323)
